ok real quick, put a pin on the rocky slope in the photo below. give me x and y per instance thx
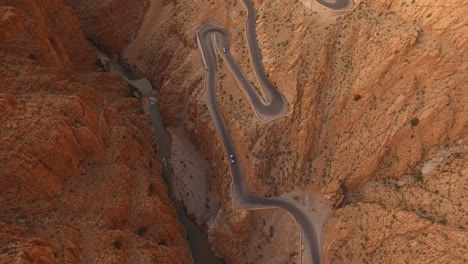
(111, 23)
(377, 124)
(79, 179)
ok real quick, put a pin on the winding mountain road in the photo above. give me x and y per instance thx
(337, 4)
(274, 105)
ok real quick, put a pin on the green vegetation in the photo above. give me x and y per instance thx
(443, 221)
(418, 176)
(142, 231)
(99, 65)
(32, 56)
(126, 65)
(151, 188)
(414, 122)
(117, 243)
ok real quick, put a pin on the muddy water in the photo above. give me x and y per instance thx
(200, 246)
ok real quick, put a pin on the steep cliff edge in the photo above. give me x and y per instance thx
(79, 179)
(112, 24)
(378, 122)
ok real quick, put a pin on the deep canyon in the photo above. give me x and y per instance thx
(374, 144)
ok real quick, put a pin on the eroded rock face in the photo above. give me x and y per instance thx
(374, 95)
(421, 222)
(79, 179)
(111, 23)
(27, 33)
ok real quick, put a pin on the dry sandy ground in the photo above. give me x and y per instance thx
(312, 204)
(156, 15)
(287, 238)
(190, 177)
(275, 237)
(192, 171)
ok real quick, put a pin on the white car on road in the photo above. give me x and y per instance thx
(231, 157)
(152, 100)
(224, 50)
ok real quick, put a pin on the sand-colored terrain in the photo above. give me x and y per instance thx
(377, 124)
(190, 180)
(364, 108)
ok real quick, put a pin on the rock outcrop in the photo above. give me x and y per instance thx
(377, 96)
(34, 33)
(111, 24)
(79, 177)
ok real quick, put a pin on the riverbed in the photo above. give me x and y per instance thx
(202, 252)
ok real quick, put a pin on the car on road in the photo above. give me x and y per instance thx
(231, 157)
(152, 100)
(302, 247)
(224, 50)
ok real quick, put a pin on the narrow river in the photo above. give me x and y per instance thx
(202, 252)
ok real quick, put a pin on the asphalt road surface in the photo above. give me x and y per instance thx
(274, 106)
(210, 37)
(336, 4)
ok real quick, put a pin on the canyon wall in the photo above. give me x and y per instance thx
(377, 124)
(111, 24)
(79, 177)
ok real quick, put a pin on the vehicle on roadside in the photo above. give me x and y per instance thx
(231, 157)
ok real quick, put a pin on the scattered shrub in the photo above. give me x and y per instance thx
(414, 122)
(418, 176)
(32, 56)
(117, 243)
(142, 231)
(151, 188)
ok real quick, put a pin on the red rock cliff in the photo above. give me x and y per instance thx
(111, 23)
(79, 179)
(377, 123)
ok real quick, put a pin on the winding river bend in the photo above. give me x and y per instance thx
(210, 37)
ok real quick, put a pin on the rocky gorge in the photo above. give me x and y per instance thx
(377, 130)
(80, 181)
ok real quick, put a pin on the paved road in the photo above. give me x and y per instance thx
(336, 4)
(206, 35)
(266, 109)
(272, 106)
